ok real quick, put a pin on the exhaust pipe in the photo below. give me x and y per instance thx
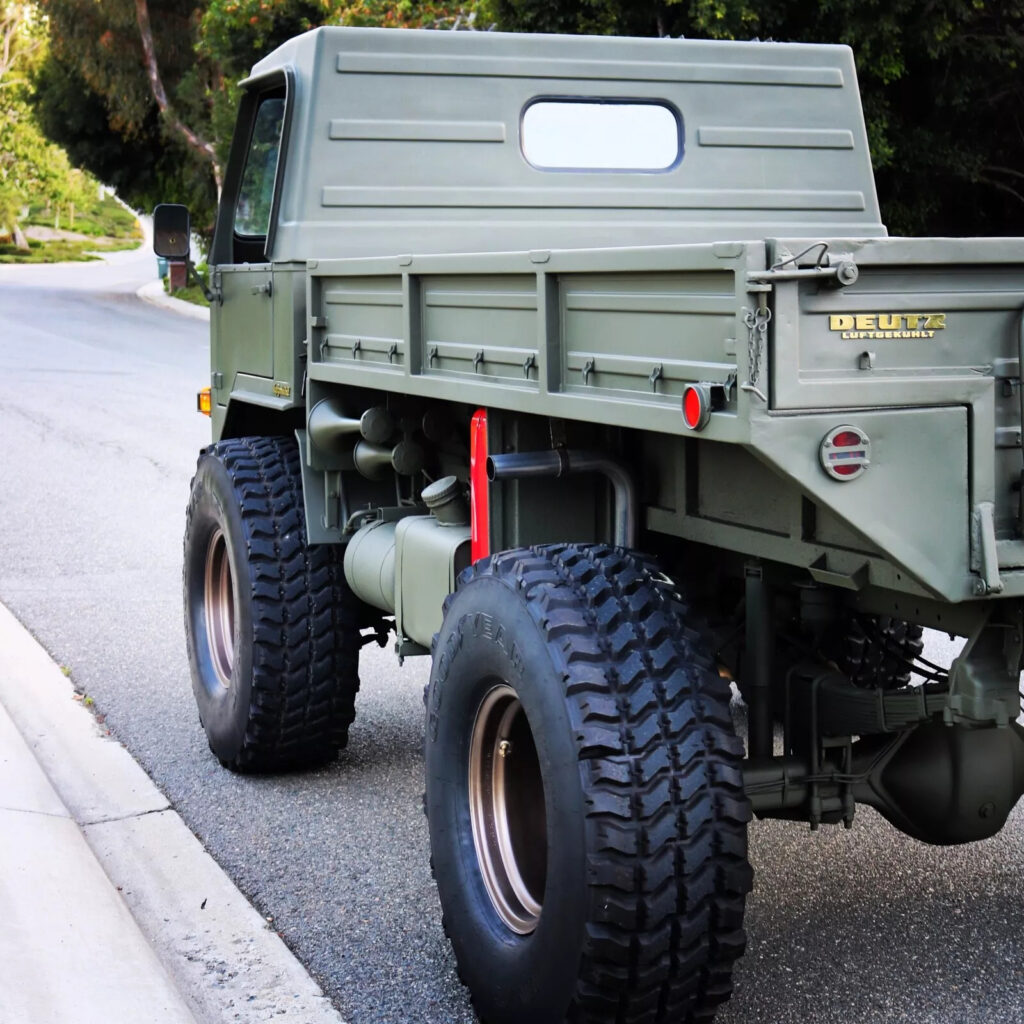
(558, 463)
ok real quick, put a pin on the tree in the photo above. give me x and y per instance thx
(20, 38)
(235, 34)
(125, 92)
(941, 82)
(32, 169)
(29, 166)
(199, 144)
(143, 92)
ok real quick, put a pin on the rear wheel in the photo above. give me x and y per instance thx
(584, 795)
(271, 626)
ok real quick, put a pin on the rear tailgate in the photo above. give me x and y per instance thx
(928, 323)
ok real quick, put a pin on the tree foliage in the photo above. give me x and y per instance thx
(157, 125)
(32, 169)
(96, 98)
(942, 83)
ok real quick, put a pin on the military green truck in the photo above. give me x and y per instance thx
(586, 367)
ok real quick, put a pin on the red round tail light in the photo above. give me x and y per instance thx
(844, 452)
(696, 406)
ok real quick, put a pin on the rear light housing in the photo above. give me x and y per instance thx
(697, 405)
(845, 452)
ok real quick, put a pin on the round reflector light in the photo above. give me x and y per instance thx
(845, 452)
(696, 406)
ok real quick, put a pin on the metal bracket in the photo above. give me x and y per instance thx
(528, 364)
(382, 514)
(406, 648)
(656, 374)
(263, 289)
(837, 270)
(431, 355)
(477, 360)
(985, 559)
(357, 347)
(392, 351)
(588, 369)
(983, 680)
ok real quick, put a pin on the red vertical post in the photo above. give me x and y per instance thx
(479, 496)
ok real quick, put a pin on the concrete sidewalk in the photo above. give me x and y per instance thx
(111, 908)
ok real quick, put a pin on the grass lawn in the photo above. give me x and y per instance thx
(106, 218)
(104, 226)
(192, 294)
(62, 250)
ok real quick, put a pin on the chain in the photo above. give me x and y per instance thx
(757, 321)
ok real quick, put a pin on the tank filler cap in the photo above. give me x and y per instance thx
(444, 499)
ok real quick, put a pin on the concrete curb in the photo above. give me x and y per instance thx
(154, 293)
(70, 947)
(133, 866)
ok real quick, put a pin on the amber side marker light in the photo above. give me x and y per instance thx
(204, 402)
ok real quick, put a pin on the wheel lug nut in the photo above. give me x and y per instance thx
(504, 748)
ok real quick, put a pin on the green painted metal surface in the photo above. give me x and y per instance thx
(416, 251)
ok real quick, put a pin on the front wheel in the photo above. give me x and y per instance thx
(584, 796)
(271, 625)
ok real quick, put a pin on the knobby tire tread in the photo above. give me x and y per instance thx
(879, 650)
(305, 645)
(667, 872)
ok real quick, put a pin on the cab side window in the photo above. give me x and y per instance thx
(256, 192)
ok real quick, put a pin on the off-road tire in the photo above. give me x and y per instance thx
(878, 650)
(274, 652)
(646, 849)
(872, 651)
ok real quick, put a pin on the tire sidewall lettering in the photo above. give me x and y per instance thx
(480, 650)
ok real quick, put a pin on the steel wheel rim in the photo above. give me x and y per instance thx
(507, 809)
(219, 604)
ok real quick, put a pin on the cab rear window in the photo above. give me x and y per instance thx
(601, 135)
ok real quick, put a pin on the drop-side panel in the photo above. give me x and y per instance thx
(921, 313)
(646, 333)
(362, 321)
(480, 325)
(609, 336)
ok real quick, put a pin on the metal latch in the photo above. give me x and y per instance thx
(839, 271)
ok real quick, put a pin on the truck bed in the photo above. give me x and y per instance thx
(926, 339)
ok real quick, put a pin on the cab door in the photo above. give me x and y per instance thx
(242, 322)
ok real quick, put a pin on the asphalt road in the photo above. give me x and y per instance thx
(98, 439)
